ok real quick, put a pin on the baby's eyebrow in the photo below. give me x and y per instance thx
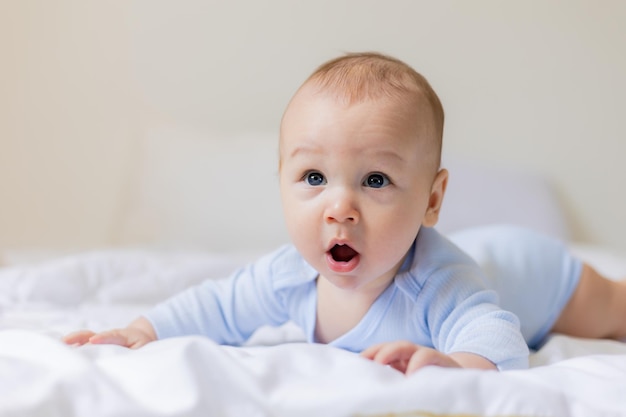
(381, 154)
(306, 149)
(388, 155)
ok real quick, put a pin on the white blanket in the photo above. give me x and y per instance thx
(40, 376)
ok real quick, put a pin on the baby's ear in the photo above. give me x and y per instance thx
(437, 192)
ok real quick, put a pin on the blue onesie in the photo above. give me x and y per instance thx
(440, 297)
(533, 274)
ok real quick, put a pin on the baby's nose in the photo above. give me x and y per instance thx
(342, 208)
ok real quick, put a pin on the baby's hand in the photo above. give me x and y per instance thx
(408, 357)
(137, 334)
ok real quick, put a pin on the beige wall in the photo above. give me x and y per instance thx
(534, 84)
(68, 116)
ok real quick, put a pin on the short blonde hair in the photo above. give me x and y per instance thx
(370, 75)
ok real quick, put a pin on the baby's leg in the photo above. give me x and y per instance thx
(597, 309)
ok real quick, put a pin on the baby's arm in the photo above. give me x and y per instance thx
(135, 335)
(408, 357)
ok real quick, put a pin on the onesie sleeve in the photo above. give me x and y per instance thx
(463, 316)
(227, 311)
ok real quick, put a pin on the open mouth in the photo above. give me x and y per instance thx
(342, 253)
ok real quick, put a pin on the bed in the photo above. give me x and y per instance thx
(43, 297)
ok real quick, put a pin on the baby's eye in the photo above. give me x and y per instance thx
(315, 178)
(376, 181)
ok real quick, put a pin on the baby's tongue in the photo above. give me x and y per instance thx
(343, 253)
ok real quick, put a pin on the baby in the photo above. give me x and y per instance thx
(361, 188)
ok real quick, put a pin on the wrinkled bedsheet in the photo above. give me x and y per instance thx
(276, 375)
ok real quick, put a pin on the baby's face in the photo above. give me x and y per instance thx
(356, 185)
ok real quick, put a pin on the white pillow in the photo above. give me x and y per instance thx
(212, 191)
(480, 193)
(220, 192)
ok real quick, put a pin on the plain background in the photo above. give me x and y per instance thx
(535, 85)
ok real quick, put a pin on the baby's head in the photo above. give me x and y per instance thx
(360, 144)
(371, 76)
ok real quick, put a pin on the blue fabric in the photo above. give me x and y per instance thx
(534, 275)
(440, 298)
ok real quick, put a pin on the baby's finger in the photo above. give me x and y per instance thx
(389, 353)
(371, 351)
(110, 337)
(128, 337)
(78, 338)
(429, 357)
